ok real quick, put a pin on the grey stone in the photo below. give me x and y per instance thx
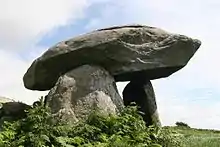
(11, 111)
(80, 91)
(124, 51)
(14, 109)
(140, 91)
(4, 100)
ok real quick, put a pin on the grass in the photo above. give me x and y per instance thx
(125, 130)
(198, 137)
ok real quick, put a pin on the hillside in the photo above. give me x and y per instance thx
(198, 137)
(125, 130)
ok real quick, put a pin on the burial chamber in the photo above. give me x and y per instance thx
(135, 53)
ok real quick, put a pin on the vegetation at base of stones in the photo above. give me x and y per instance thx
(128, 129)
(182, 124)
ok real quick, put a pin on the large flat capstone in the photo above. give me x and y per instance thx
(124, 51)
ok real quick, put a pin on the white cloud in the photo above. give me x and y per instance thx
(24, 22)
(11, 84)
(200, 113)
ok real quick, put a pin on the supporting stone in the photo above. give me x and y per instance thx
(140, 91)
(82, 90)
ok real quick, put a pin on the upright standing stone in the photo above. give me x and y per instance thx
(140, 91)
(82, 90)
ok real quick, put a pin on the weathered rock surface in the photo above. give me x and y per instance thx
(11, 111)
(4, 100)
(124, 51)
(82, 90)
(140, 91)
(14, 109)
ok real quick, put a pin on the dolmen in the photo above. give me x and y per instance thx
(81, 73)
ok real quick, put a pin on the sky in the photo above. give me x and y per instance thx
(192, 95)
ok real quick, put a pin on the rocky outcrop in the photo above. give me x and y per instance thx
(11, 111)
(14, 109)
(82, 90)
(140, 91)
(4, 100)
(124, 52)
(81, 72)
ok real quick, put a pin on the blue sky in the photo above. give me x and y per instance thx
(30, 27)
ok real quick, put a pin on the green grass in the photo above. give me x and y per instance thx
(127, 129)
(198, 137)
